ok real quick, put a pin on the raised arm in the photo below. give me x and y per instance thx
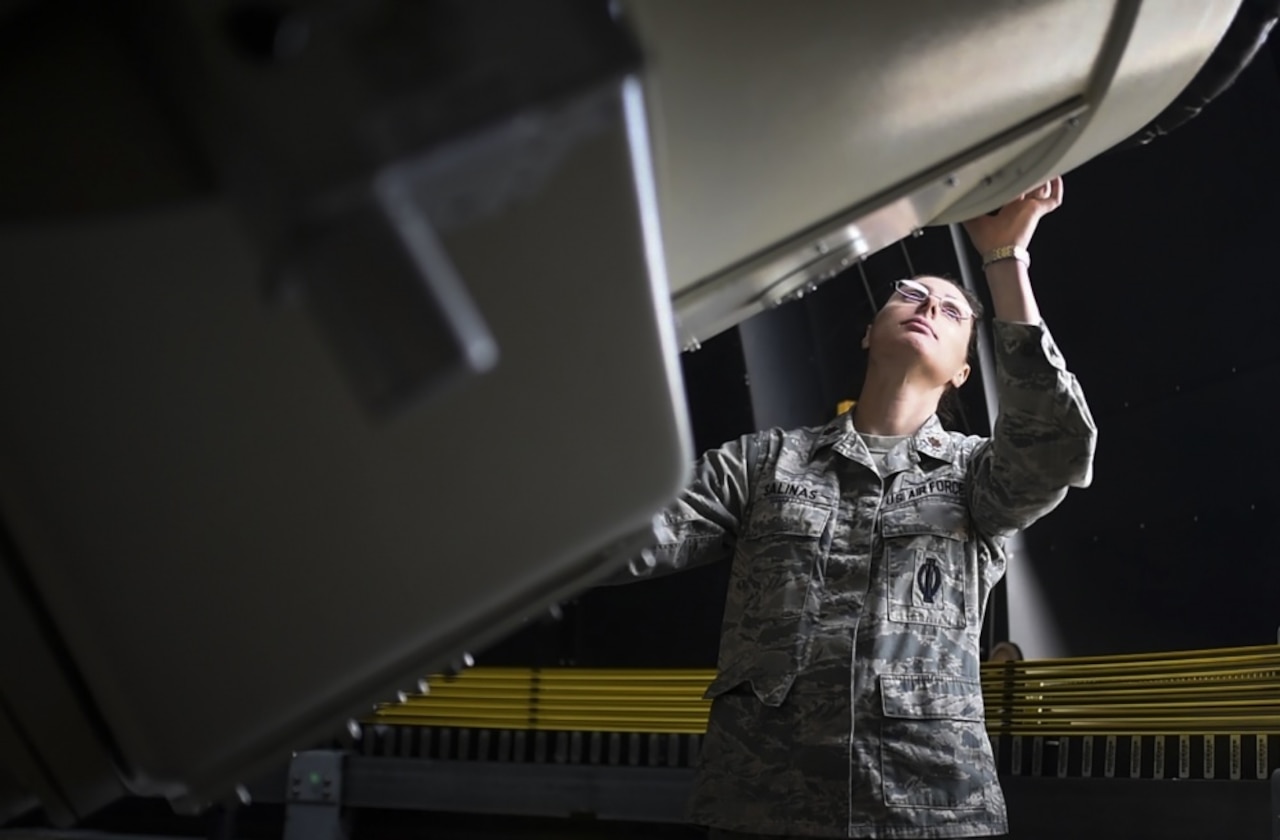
(1044, 436)
(1002, 240)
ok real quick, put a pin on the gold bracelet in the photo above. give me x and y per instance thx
(1007, 252)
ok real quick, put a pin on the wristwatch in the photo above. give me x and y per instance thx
(1007, 252)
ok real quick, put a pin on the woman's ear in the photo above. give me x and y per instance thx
(866, 338)
(962, 376)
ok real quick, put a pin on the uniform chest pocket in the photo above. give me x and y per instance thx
(925, 561)
(787, 540)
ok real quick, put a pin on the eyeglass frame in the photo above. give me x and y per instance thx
(965, 313)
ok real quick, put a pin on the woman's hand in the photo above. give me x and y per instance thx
(1016, 222)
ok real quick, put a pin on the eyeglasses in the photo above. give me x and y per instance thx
(917, 293)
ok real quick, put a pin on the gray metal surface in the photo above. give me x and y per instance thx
(1275, 805)
(22, 780)
(314, 800)
(236, 555)
(429, 118)
(643, 794)
(79, 834)
(17, 793)
(796, 265)
(50, 747)
(1040, 808)
(792, 139)
(1068, 809)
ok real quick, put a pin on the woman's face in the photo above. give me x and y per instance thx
(926, 323)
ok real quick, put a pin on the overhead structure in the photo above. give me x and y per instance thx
(370, 352)
(791, 141)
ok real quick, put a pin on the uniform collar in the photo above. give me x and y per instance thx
(935, 441)
(839, 429)
(931, 440)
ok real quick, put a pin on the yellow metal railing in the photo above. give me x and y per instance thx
(1223, 690)
(600, 700)
(1182, 692)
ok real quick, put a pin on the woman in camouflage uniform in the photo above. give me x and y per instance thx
(847, 702)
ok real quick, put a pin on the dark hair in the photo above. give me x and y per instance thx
(949, 406)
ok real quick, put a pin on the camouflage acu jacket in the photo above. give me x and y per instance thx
(847, 702)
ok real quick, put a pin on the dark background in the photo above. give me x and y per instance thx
(1159, 282)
